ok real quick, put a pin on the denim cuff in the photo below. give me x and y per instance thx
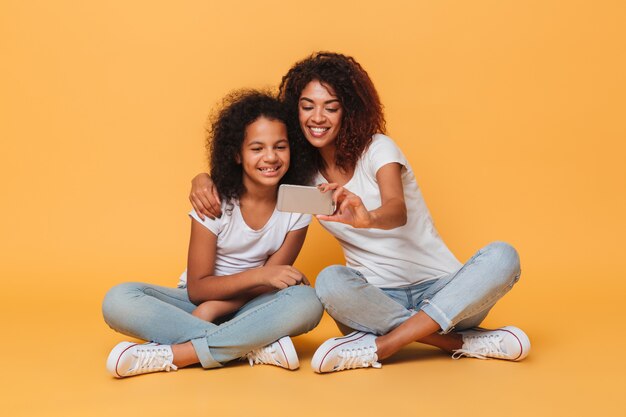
(204, 353)
(438, 316)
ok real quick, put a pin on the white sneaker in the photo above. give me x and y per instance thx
(280, 353)
(356, 350)
(509, 343)
(128, 359)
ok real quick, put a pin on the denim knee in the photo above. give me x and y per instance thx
(115, 304)
(506, 261)
(307, 309)
(334, 284)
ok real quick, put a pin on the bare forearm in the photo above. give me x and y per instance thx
(248, 283)
(245, 284)
(390, 215)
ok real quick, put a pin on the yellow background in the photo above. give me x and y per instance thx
(511, 113)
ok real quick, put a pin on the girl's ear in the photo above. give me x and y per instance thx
(238, 158)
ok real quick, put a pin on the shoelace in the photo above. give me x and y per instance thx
(265, 355)
(361, 357)
(479, 346)
(152, 359)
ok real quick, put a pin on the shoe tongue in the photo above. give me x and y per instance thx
(492, 343)
(502, 348)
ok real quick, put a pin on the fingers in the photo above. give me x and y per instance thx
(328, 186)
(339, 195)
(350, 211)
(216, 196)
(204, 197)
(283, 276)
(346, 204)
(298, 276)
(199, 207)
(351, 202)
(283, 282)
(325, 218)
(289, 276)
(292, 276)
(211, 200)
(204, 203)
(211, 204)
(281, 285)
(305, 281)
(196, 207)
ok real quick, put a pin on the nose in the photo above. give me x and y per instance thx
(270, 155)
(318, 116)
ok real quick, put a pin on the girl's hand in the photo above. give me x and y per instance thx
(281, 276)
(204, 197)
(350, 207)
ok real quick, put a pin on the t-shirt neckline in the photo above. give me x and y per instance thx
(267, 224)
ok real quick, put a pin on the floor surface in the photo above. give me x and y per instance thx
(58, 370)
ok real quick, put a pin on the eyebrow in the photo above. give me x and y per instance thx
(258, 142)
(335, 100)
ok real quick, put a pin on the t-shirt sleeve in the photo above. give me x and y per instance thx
(298, 221)
(383, 151)
(213, 225)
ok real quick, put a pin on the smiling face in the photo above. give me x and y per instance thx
(264, 153)
(320, 113)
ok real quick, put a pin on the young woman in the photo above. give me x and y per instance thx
(401, 283)
(239, 266)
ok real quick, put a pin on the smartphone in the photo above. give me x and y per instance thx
(303, 199)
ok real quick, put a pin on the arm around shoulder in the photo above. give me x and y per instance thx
(204, 197)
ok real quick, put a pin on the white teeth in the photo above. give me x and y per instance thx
(268, 169)
(319, 129)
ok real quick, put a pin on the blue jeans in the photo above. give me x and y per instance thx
(458, 301)
(163, 315)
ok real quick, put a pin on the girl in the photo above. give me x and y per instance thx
(401, 283)
(238, 265)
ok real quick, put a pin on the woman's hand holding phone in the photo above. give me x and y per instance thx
(350, 208)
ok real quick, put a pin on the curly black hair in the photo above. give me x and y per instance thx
(225, 136)
(363, 114)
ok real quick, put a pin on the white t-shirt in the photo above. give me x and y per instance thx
(398, 257)
(239, 247)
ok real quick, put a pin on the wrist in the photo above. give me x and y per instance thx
(258, 276)
(370, 222)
